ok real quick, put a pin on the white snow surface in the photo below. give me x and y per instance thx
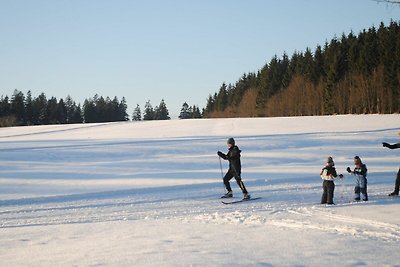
(147, 193)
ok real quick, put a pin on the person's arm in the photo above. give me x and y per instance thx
(222, 155)
(394, 146)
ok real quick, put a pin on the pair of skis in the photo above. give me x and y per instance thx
(239, 201)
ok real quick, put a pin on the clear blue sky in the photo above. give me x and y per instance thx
(177, 50)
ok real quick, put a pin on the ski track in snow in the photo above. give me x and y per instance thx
(297, 216)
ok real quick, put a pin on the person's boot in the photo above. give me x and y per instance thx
(228, 195)
(246, 196)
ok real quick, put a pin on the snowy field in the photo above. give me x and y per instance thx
(147, 194)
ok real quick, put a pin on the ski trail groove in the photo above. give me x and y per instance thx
(327, 221)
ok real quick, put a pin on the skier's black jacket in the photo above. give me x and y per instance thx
(233, 156)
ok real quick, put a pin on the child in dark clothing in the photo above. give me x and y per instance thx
(360, 175)
(328, 174)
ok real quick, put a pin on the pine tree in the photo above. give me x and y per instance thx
(89, 111)
(122, 110)
(5, 106)
(18, 107)
(148, 112)
(29, 109)
(161, 111)
(196, 114)
(61, 115)
(76, 116)
(69, 108)
(137, 114)
(40, 109)
(6, 118)
(222, 98)
(184, 114)
(52, 110)
(210, 106)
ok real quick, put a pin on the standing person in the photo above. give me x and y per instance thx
(397, 183)
(235, 168)
(360, 173)
(328, 174)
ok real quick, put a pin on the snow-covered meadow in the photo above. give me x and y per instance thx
(147, 194)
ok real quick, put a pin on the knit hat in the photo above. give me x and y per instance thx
(329, 161)
(231, 141)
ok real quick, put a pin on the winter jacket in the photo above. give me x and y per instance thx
(361, 170)
(328, 173)
(233, 156)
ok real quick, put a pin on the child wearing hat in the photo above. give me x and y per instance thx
(328, 174)
(360, 173)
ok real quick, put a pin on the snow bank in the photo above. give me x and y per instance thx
(204, 127)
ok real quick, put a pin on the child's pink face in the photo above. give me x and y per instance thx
(229, 145)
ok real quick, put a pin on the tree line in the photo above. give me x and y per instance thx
(28, 110)
(352, 74)
(161, 112)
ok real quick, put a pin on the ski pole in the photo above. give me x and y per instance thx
(342, 200)
(344, 196)
(222, 174)
(220, 166)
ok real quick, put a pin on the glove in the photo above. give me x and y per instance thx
(385, 144)
(220, 154)
(348, 170)
(341, 176)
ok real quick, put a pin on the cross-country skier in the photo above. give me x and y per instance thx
(360, 173)
(235, 167)
(397, 183)
(328, 174)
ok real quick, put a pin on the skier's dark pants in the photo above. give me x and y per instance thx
(397, 185)
(228, 176)
(327, 195)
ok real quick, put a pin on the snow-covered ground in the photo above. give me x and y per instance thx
(147, 194)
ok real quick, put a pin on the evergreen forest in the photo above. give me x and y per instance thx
(22, 110)
(351, 74)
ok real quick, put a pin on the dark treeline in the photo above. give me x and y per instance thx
(190, 112)
(27, 110)
(22, 110)
(160, 112)
(348, 75)
(98, 109)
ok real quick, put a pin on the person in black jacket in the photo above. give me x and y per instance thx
(397, 183)
(360, 174)
(235, 168)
